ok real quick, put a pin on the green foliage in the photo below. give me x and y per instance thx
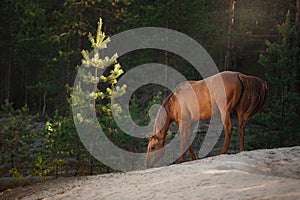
(13, 172)
(234, 146)
(97, 97)
(41, 167)
(281, 115)
(16, 139)
(93, 64)
(139, 113)
(43, 39)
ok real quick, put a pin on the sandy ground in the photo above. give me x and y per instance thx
(261, 174)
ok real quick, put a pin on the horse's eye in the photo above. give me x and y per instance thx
(152, 147)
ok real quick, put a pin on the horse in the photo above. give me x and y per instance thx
(192, 101)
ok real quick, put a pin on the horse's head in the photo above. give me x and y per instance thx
(153, 155)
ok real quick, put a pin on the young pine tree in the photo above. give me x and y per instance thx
(281, 115)
(94, 90)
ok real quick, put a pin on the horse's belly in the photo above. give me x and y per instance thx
(207, 111)
(205, 116)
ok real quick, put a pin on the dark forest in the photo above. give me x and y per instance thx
(41, 49)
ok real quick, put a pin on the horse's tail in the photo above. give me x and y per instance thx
(253, 96)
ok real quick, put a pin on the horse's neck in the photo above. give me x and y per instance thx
(161, 127)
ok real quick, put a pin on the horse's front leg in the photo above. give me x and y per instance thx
(193, 156)
(182, 147)
(183, 156)
(227, 129)
(185, 137)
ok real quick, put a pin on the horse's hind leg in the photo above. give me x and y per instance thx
(241, 128)
(242, 133)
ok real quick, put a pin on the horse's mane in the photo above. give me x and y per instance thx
(162, 118)
(167, 102)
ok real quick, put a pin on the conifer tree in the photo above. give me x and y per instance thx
(281, 116)
(95, 88)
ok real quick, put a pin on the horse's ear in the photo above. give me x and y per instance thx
(155, 137)
(149, 136)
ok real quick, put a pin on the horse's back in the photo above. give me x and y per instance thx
(225, 89)
(202, 99)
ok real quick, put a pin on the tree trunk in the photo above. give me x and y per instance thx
(179, 10)
(44, 103)
(295, 71)
(229, 35)
(11, 61)
(91, 165)
(166, 56)
(68, 64)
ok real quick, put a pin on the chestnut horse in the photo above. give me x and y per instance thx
(200, 100)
